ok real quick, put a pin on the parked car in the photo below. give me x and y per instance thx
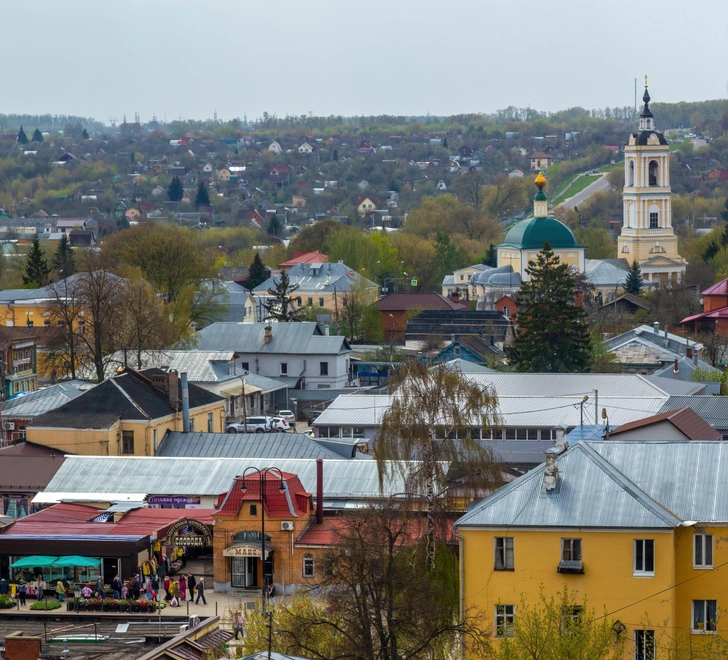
(259, 425)
(313, 416)
(287, 415)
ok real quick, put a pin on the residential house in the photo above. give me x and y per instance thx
(441, 186)
(305, 148)
(303, 258)
(397, 308)
(127, 415)
(216, 372)
(460, 279)
(711, 409)
(321, 285)
(608, 276)
(365, 204)
(673, 425)
(298, 202)
(18, 361)
(477, 350)
(541, 161)
(275, 148)
(223, 175)
(297, 354)
(634, 528)
(714, 318)
(158, 191)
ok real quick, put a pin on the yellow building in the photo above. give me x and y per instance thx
(647, 235)
(127, 415)
(636, 528)
(526, 238)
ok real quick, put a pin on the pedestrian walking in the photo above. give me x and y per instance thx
(116, 586)
(191, 582)
(60, 591)
(40, 586)
(22, 591)
(201, 592)
(136, 587)
(100, 588)
(183, 588)
(238, 622)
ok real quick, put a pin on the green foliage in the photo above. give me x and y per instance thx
(6, 602)
(724, 212)
(257, 273)
(491, 257)
(705, 375)
(22, 137)
(633, 283)
(36, 267)
(710, 251)
(203, 196)
(274, 226)
(552, 335)
(46, 605)
(84, 134)
(64, 262)
(175, 191)
(280, 306)
(37, 136)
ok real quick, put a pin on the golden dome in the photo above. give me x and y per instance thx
(540, 181)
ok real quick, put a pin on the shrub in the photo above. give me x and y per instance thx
(45, 605)
(6, 602)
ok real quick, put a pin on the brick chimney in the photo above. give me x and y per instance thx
(268, 337)
(173, 388)
(21, 647)
(455, 296)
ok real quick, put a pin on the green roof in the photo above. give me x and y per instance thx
(531, 234)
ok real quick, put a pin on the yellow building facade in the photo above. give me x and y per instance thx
(646, 551)
(647, 234)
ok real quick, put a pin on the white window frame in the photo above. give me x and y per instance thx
(309, 566)
(703, 562)
(645, 653)
(703, 631)
(642, 572)
(501, 617)
(504, 553)
(567, 547)
(284, 368)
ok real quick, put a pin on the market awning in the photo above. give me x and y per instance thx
(235, 389)
(78, 561)
(33, 561)
(246, 550)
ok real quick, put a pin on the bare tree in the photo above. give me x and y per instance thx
(432, 430)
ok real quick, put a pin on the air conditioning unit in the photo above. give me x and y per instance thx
(287, 526)
(193, 621)
(183, 628)
(9, 426)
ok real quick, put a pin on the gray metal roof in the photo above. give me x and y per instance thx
(606, 272)
(590, 492)
(713, 409)
(114, 476)
(680, 386)
(293, 338)
(43, 400)
(242, 445)
(467, 367)
(315, 278)
(200, 366)
(665, 341)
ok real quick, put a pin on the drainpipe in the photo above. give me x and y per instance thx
(185, 403)
(319, 490)
(461, 541)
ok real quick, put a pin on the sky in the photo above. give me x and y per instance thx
(183, 58)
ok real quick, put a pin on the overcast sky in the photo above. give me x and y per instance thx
(106, 58)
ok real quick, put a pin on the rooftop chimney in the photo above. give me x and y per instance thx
(185, 403)
(656, 327)
(695, 357)
(268, 337)
(676, 368)
(551, 473)
(326, 330)
(19, 646)
(319, 490)
(455, 295)
(173, 388)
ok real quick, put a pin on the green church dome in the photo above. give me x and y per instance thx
(531, 234)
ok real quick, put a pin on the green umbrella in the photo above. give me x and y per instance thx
(33, 561)
(77, 560)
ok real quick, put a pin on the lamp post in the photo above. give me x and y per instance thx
(263, 477)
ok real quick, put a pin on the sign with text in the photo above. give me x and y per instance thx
(243, 551)
(170, 499)
(188, 532)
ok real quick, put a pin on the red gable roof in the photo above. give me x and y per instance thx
(277, 504)
(685, 420)
(718, 289)
(305, 258)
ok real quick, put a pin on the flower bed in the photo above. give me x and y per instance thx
(112, 605)
(45, 605)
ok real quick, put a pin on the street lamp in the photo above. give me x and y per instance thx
(263, 477)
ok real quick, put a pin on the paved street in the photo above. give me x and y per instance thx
(579, 198)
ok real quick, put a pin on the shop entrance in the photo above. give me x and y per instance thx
(247, 571)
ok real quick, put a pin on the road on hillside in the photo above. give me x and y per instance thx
(580, 197)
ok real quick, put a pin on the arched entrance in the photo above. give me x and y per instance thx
(192, 535)
(244, 557)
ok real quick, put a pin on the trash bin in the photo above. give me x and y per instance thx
(13, 589)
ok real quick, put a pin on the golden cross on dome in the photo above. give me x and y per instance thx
(645, 81)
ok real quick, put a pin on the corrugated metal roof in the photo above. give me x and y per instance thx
(713, 409)
(355, 410)
(43, 400)
(606, 272)
(589, 493)
(677, 386)
(295, 338)
(199, 365)
(243, 445)
(109, 477)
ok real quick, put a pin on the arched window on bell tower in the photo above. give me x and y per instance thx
(630, 174)
(653, 172)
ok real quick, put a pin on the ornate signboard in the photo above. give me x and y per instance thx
(188, 533)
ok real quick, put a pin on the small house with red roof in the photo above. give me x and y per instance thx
(714, 317)
(541, 160)
(286, 509)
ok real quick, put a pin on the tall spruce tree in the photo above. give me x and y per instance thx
(84, 134)
(257, 273)
(633, 283)
(22, 137)
(37, 136)
(64, 262)
(280, 307)
(203, 197)
(36, 267)
(175, 191)
(491, 257)
(552, 335)
(710, 251)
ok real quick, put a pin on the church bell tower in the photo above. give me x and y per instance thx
(647, 235)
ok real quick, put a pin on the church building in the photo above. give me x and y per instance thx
(525, 239)
(647, 235)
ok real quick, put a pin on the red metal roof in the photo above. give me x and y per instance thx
(397, 302)
(685, 420)
(718, 289)
(720, 313)
(305, 258)
(276, 501)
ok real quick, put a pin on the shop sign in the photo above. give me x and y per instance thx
(181, 533)
(168, 499)
(243, 551)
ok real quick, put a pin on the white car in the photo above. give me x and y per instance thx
(259, 425)
(287, 415)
